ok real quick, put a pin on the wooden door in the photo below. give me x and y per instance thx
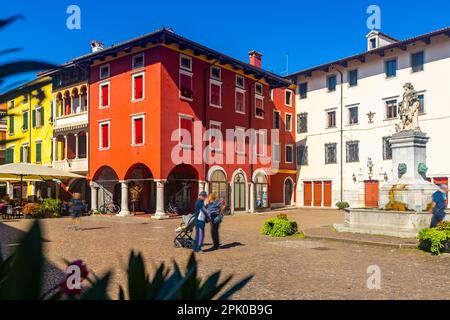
(239, 196)
(288, 192)
(327, 194)
(371, 194)
(307, 194)
(317, 193)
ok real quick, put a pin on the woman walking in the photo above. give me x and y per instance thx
(200, 218)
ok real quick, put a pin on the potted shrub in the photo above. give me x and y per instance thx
(341, 205)
(51, 208)
(435, 240)
(280, 226)
(31, 210)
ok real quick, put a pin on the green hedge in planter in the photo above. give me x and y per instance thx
(435, 240)
(280, 226)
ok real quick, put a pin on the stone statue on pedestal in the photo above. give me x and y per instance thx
(409, 110)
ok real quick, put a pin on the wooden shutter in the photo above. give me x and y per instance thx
(42, 117)
(33, 118)
(139, 131)
(11, 124)
(138, 87)
(105, 95)
(105, 135)
(215, 94)
(38, 152)
(187, 125)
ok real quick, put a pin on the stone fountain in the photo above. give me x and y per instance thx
(404, 202)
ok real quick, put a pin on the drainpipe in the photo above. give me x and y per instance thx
(341, 132)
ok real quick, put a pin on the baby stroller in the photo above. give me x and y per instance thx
(184, 233)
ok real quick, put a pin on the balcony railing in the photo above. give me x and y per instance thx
(72, 165)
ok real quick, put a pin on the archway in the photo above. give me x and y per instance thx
(239, 191)
(182, 188)
(288, 191)
(141, 188)
(109, 187)
(261, 191)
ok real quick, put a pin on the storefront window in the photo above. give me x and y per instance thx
(262, 191)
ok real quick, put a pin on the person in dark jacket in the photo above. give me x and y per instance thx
(200, 220)
(439, 206)
(214, 213)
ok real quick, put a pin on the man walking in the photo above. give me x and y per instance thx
(200, 218)
(439, 205)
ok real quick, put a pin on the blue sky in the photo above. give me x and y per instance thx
(311, 32)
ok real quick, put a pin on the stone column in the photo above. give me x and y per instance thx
(160, 212)
(65, 147)
(94, 197)
(124, 211)
(76, 145)
(55, 149)
(252, 197)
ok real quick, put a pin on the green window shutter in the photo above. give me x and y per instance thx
(21, 153)
(38, 152)
(42, 117)
(33, 118)
(25, 121)
(9, 156)
(11, 124)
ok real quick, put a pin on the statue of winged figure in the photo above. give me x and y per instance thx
(409, 110)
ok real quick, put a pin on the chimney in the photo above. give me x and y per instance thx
(96, 45)
(255, 58)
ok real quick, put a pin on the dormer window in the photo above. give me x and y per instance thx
(373, 43)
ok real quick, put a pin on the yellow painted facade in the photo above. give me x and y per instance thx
(29, 124)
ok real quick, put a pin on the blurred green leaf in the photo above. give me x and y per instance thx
(18, 67)
(98, 291)
(5, 22)
(24, 276)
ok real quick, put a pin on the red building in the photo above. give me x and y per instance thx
(153, 98)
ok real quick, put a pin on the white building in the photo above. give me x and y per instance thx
(356, 114)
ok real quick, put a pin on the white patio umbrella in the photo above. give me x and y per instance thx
(32, 172)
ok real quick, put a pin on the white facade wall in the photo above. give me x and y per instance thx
(372, 90)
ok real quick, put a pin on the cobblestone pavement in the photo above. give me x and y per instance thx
(290, 268)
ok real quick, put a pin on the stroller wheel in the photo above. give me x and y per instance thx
(189, 244)
(176, 244)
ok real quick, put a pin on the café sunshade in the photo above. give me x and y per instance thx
(27, 171)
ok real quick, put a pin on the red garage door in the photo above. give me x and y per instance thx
(371, 194)
(317, 193)
(327, 193)
(307, 194)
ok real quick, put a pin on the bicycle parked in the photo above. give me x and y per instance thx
(110, 207)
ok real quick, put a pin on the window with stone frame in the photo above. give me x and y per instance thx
(302, 123)
(330, 153)
(387, 149)
(352, 151)
(302, 155)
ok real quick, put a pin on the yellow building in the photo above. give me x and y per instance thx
(30, 129)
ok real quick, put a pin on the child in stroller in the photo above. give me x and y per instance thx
(183, 238)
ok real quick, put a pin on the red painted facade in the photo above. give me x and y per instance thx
(161, 109)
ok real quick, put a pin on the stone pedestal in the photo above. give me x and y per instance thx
(408, 191)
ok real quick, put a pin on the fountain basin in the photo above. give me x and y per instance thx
(401, 224)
